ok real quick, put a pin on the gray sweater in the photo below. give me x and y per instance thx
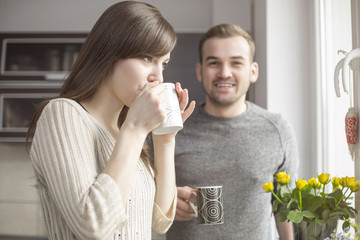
(241, 154)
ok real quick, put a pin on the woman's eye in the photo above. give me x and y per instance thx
(148, 59)
(164, 65)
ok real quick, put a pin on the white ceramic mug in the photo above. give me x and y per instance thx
(173, 121)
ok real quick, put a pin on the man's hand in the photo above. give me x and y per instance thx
(184, 211)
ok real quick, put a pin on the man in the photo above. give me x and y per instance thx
(231, 142)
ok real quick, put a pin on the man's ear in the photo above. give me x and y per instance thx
(198, 72)
(254, 74)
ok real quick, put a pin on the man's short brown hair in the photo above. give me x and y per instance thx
(225, 31)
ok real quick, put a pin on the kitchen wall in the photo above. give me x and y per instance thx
(291, 77)
(281, 29)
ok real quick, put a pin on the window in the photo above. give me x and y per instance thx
(334, 33)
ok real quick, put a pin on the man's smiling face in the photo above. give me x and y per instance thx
(226, 70)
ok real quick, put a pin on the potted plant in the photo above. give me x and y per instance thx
(313, 210)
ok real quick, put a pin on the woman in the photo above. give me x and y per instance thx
(93, 173)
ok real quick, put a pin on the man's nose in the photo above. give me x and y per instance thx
(224, 71)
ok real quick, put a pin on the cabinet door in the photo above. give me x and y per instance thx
(38, 56)
(17, 107)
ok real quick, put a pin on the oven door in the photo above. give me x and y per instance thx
(16, 112)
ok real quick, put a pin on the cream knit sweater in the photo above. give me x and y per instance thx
(69, 151)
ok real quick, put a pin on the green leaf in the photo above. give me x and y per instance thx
(295, 193)
(337, 195)
(337, 214)
(323, 195)
(292, 200)
(325, 214)
(308, 214)
(314, 229)
(331, 225)
(349, 212)
(295, 216)
(345, 225)
(319, 221)
(307, 188)
(275, 205)
(331, 203)
(284, 191)
(283, 212)
(315, 203)
(352, 210)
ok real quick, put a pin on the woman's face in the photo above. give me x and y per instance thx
(132, 74)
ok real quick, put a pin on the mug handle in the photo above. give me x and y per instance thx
(192, 206)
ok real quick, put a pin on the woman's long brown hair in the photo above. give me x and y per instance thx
(126, 29)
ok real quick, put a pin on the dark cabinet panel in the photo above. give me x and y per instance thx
(38, 56)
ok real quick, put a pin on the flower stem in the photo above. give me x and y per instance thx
(300, 200)
(342, 197)
(348, 195)
(278, 198)
(288, 187)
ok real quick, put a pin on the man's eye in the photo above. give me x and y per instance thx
(237, 63)
(213, 63)
(148, 59)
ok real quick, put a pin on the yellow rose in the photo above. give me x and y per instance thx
(349, 181)
(342, 181)
(282, 178)
(355, 187)
(324, 178)
(314, 182)
(336, 181)
(301, 183)
(268, 187)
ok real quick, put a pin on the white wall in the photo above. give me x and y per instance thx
(80, 15)
(290, 73)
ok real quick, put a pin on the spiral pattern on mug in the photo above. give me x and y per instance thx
(210, 207)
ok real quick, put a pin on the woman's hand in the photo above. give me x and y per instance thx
(183, 96)
(148, 110)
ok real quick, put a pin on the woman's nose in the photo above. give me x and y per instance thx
(156, 74)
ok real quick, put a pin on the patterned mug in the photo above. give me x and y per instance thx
(210, 205)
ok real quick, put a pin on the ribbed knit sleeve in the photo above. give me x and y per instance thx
(67, 172)
(161, 223)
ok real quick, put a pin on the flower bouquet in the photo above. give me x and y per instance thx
(314, 211)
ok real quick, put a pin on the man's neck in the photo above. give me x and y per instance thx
(225, 111)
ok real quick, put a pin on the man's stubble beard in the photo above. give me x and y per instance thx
(215, 100)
